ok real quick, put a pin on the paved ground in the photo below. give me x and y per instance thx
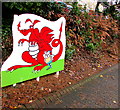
(100, 91)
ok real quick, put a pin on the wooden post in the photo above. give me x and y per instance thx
(14, 85)
(38, 79)
(57, 74)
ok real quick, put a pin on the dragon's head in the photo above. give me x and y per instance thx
(26, 31)
(33, 23)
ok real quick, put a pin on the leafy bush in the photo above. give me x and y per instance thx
(76, 10)
(69, 53)
(83, 30)
(113, 11)
(90, 46)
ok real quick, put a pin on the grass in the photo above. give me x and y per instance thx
(23, 74)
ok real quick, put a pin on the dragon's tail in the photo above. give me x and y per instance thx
(55, 43)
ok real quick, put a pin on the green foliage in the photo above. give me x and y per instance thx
(6, 31)
(69, 52)
(82, 29)
(115, 36)
(86, 15)
(112, 10)
(38, 8)
(92, 46)
(78, 21)
(76, 10)
(6, 42)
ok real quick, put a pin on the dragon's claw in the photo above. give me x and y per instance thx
(20, 44)
(35, 71)
(7, 70)
(21, 41)
(10, 70)
(33, 43)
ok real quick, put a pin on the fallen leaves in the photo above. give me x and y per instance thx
(69, 83)
(30, 101)
(101, 76)
(89, 74)
(94, 68)
(99, 65)
(42, 88)
(78, 70)
(114, 102)
(13, 107)
(113, 56)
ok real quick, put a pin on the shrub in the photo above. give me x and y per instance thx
(83, 30)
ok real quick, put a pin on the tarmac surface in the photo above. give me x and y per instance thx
(99, 91)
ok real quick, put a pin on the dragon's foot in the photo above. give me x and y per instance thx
(11, 69)
(35, 71)
(38, 68)
(19, 66)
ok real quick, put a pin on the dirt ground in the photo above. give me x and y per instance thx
(82, 65)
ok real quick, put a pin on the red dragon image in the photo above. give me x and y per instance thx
(39, 43)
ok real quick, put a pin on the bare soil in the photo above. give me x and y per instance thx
(83, 65)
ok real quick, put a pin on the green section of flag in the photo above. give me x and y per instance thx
(26, 73)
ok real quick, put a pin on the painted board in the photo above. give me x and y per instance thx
(38, 49)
